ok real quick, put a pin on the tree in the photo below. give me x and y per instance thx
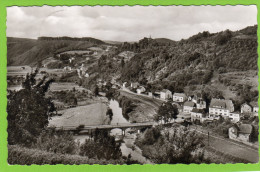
(122, 62)
(102, 146)
(110, 113)
(176, 145)
(28, 110)
(166, 112)
(75, 101)
(96, 90)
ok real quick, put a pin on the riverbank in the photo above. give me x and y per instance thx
(93, 114)
(143, 108)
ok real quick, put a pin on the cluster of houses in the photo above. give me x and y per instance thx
(196, 109)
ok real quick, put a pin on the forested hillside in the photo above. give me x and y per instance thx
(22, 51)
(221, 64)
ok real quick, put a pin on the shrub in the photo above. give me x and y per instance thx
(57, 142)
(24, 156)
(102, 146)
(151, 135)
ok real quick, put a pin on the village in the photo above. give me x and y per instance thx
(194, 109)
(133, 98)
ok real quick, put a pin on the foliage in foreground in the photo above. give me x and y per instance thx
(175, 145)
(28, 110)
(57, 142)
(102, 146)
(25, 156)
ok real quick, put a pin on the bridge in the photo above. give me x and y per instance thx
(90, 128)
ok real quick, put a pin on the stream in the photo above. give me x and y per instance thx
(127, 146)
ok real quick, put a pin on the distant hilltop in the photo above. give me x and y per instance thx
(66, 38)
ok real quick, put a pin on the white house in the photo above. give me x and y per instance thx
(242, 132)
(124, 84)
(234, 116)
(165, 94)
(67, 68)
(221, 107)
(245, 108)
(255, 108)
(200, 104)
(179, 97)
(198, 114)
(140, 90)
(134, 84)
(188, 106)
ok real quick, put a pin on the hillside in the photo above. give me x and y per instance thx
(220, 64)
(22, 51)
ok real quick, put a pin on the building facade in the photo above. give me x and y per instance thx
(165, 94)
(188, 106)
(179, 97)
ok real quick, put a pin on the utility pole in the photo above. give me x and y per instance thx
(208, 138)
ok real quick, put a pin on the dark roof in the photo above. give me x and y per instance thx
(226, 104)
(245, 128)
(188, 103)
(195, 110)
(254, 104)
(245, 104)
(179, 95)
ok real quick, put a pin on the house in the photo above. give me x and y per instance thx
(234, 116)
(124, 84)
(150, 94)
(200, 104)
(188, 106)
(197, 114)
(245, 108)
(165, 94)
(240, 132)
(134, 84)
(255, 108)
(221, 107)
(67, 68)
(157, 94)
(140, 90)
(179, 97)
(102, 94)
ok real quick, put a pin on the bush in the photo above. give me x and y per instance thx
(102, 146)
(57, 142)
(151, 135)
(24, 156)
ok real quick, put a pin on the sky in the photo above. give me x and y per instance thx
(127, 23)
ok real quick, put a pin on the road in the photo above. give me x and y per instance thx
(143, 98)
(229, 147)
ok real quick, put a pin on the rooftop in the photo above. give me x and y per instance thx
(190, 104)
(222, 103)
(179, 94)
(165, 90)
(245, 128)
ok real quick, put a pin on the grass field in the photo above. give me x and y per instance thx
(18, 70)
(94, 114)
(59, 86)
